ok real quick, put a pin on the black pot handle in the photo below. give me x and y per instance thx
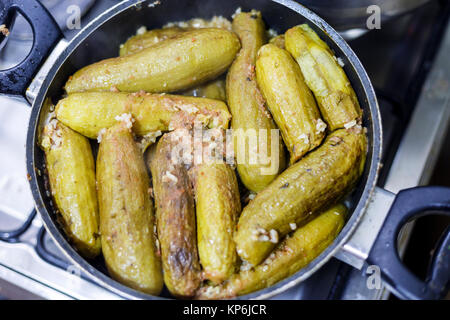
(46, 32)
(410, 204)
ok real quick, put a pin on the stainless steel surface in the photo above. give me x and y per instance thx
(20, 264)
(13, 288)
(416, 156)
(418, 151)
(22, 271)
(15, 196)
(356, 250)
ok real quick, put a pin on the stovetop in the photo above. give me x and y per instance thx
(404, 60)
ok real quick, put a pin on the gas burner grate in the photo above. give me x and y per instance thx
(13, 236)
(46, 255)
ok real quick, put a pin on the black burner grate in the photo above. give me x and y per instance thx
(13, 236)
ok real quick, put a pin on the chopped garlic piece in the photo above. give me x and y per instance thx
(245, 266)
(320, 126)
(215, 22)
(211, 291)
(148, 139)
(271, 33)
(126, 118)
(273, 236)
(141, 30)
(169, 177)
(215, 122)
(260, 234)
(335, 140)
(154, 4)
(188, 108)
(4, 30)
(54, 135)
(238, 10)
(293, 226)
(100, 135)
(350, 124)
(261, 230)
(203, 118)
(151, 136)
(304, 137)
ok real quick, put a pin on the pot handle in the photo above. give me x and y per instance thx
(14, 81)
(410, 204)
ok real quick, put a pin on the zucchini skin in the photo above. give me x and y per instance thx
(126, 213)
(89, 112)
(142, 41)
(324, 76)
(246, 103)
(72, 185)
(291, 255)
(320, 179)
(278, 41)
(185, 60)
(217, 207)
(212, 90)
(290, 101)
(175, 212)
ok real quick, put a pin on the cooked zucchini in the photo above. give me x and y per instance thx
(71, 172)
(126, 213)
(290, 101)
(175, 213)
(218, 206)
(320, 179)
(147, 39)
(185, 60)
(278, 41)
(90, 112)
(324, 76)
(248, 106)
(291, 255)
(214, 89)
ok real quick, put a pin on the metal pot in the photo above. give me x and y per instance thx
(348, 14)
(367, 233)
